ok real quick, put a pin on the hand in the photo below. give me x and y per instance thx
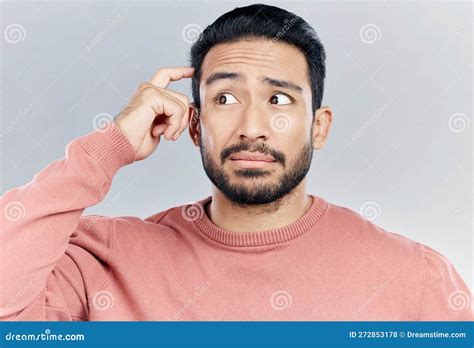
(154, 111)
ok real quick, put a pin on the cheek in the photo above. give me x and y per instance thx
(296, 132)
(304, 130)
(215, 132)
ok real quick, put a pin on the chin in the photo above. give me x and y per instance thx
(253, 181)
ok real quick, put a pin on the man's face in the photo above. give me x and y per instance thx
(256, 120)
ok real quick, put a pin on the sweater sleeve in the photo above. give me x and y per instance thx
(38, 263)
(444, 294)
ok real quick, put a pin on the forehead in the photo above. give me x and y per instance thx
(256, 58)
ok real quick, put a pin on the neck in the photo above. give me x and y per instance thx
(252, 218)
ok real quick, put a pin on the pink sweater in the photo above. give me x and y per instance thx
(331, 264)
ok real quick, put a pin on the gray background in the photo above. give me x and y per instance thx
(402, 93)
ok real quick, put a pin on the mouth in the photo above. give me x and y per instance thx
(251, 160)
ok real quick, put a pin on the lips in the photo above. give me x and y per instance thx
(251, 156)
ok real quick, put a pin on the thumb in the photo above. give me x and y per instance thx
(159, 130)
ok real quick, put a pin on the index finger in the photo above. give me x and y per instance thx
(164, 76)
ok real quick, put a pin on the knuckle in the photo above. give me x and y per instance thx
(142, 85)
(148, 92)
(145, 86)
(183, 102)
(186, 100)
(160, 71)
(179, 101)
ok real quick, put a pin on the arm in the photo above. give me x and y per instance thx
(40, 217)
(444, 294)
(45, 255)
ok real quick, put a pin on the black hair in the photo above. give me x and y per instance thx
(267, 22)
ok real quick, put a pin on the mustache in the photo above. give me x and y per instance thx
(253, 147)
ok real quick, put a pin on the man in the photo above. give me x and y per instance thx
(259, 248)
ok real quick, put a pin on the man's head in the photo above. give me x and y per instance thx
(258, 87)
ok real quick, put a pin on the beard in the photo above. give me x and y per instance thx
(255, 192)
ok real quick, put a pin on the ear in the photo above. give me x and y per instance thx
(321, 126)
(194, 124)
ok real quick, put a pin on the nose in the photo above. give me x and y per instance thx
(253, 124)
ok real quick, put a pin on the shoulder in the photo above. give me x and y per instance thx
(100, 230)
(93, 232)
(376, 252)
(185, 212)
(421, 270)
(444, 295)
(366, 235)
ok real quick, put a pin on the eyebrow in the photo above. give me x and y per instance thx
(238, 76)
(283, 84)
(223, 75)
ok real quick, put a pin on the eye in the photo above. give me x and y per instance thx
(225, 99)
(280, 99)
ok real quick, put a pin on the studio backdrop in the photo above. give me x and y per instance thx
(399, 79)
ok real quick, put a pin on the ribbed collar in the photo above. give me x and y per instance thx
(261, 238)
